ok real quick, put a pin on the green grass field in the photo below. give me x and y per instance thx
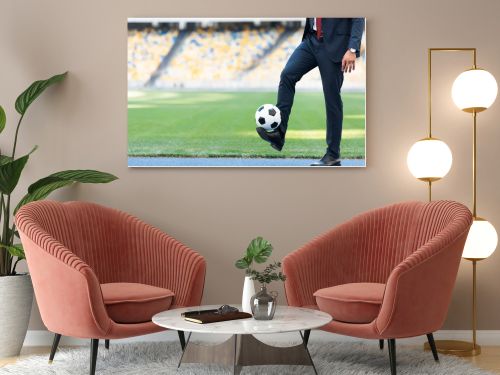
(221, 124)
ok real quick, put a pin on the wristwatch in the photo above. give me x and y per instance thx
(353, 50)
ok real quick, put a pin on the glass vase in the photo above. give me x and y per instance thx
(263, 304)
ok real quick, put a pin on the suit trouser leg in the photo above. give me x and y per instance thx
(332, 78)
(300, 62)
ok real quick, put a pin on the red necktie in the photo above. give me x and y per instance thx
(319, 29)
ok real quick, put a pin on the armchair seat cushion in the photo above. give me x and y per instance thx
(351, 303)
(135, 303)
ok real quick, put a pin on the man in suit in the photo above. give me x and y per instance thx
(332, 45)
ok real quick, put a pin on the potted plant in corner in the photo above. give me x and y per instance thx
(16, 291)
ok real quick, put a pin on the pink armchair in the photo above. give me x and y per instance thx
(100, 273)
(385, 274)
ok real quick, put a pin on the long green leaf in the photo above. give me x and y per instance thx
(42, 193)
(43, 187)
(4, 159)
(3, 119)
(10, 173)
(86, 176)
(29, 95)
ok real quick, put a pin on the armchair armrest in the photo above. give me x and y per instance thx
(66, 289)
(165, 262)
(419, 289)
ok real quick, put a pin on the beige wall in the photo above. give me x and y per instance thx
(83, 124)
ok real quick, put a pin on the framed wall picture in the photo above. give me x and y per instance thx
(240, 92)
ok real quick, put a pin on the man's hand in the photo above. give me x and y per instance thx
(348, 62)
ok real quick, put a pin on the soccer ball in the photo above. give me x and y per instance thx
(268, 117)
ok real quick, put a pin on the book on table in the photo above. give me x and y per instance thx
(213, 316)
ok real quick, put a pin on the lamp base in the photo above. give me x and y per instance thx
(456, 348)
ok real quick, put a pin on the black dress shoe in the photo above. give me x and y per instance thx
(327, 161)
(275, 138)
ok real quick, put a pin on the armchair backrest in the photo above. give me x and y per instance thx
(92, 232)
(386, 236)
(368, 247)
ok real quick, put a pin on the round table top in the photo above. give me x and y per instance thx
(286, 319)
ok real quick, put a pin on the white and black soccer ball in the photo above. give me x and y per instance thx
(268, 117)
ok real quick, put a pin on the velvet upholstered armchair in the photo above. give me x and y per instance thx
(99, 273)
(385, 274)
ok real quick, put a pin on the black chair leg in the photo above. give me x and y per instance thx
(106, 344)
(381, 344)
(94, 345)
(307, 333)
(55, 344)
(182, 339)
(432, 344)
(392, 355)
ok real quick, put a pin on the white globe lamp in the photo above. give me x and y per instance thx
(429, 159)
(481, 241)
(474, 90)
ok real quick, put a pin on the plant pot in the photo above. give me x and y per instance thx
(16, 298)
(248, 292)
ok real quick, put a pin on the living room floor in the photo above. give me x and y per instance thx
(488, 360)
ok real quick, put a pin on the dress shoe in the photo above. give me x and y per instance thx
(327, 161)
(276, 138)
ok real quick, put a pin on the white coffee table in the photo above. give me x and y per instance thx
(242, 348)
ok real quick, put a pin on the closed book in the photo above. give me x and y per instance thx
(210, 317)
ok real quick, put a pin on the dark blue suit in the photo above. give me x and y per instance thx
(339, 35)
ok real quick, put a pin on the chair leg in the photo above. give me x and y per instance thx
(307, 333)
(182, 339)
(432, 344)
(381, 344)
(94, 345)
(106, 344)
(392, 355)
(55, 344)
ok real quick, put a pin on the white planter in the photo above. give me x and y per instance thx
(16, 298)
(248, 292)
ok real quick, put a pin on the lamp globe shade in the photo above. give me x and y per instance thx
(474, 90)
(429, 159)
(481, 241)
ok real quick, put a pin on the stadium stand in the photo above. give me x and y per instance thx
(223, 55)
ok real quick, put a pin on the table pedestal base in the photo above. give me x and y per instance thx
(246, 350)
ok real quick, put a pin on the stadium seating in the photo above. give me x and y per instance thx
(221, 56)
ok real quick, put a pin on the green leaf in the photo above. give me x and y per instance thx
(242, 263)
(34, 91)
(259, 250)
(3, 119)
(86, 176)
(4, 159)
(10, 172)
(42, 193)
(15, 250)
(43, 187)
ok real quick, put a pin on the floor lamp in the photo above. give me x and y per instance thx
(473, 91)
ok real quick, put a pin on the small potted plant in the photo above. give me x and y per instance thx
(258, 251)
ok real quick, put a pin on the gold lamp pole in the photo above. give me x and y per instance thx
(429, 159)
(473, 91)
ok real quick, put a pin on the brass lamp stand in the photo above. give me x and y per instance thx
(454, 347)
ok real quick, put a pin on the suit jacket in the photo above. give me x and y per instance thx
(339, 34)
